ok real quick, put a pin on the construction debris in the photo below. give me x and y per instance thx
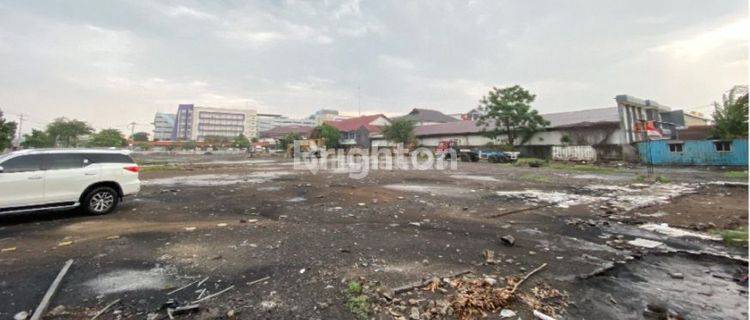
(51, 291)
(103, 310)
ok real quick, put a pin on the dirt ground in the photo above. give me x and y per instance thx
(615, 247)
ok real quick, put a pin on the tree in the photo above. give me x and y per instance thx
(66, 132)
(241, 142)
(216, 141)
(7, 132)
(37, 139)
(731, 116)
(288, 139)
(108, 138)
(327, 132)
(400, 131)
(508, 111)
(140, 137)
(189, 145)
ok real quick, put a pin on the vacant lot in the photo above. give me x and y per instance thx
(326, 246)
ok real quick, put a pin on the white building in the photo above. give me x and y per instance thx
(269, 121)
(197, 122)
(163, 126)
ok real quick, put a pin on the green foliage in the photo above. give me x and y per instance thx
(565, 139)
(662, 179)
(140, 136)
(737, 237)
(216, 141)
(288, 139)
(37, 139)
(241, 142)
(143, 146)
(399, 131)
(189, 145)
(254, 140)
(731, 116)
(66, 132)
(531, 162)
(7, 132)
(736, 175)
(327, 132)
(583, 168)
(508, 112)
(108, 138)
(357, 303)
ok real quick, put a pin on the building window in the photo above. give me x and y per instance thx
(723, 146)
(675, 147)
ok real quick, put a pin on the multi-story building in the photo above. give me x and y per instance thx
(269, 121)
(323, 115)
(163, 126)
(198, 122)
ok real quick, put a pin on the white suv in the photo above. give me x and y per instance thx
(41, 179)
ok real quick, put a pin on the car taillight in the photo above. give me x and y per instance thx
(132, 168)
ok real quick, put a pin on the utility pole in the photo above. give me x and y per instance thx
(20, 126)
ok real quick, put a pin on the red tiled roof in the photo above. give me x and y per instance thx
(353, 124)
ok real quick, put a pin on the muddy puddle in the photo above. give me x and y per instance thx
(205, 180)
(695, 287)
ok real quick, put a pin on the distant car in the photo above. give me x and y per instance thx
(53, 179)
(500, 156)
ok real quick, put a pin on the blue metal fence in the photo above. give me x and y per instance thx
(694, 152)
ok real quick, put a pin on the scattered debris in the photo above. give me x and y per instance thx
(542, 316)
(23, 315)
(507, 313)
(103, 310)
(508, 240)
(258, 281)
(64, 243)
(210, 296)
(182, 288)
(39, 312)
(8, 249)
(665, 229)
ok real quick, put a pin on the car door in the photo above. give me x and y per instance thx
(22, 181)
(67, 176)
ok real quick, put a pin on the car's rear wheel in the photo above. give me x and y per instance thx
(101, 200)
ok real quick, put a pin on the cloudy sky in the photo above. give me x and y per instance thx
(113, 62)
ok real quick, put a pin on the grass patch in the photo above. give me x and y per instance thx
(535, 178)
(357, 302)
(736, 175)
(583, 168)
(733, 237)
(530, 162)
(662, 179)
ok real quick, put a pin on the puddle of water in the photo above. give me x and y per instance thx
(475, 178)
(707, 291)
(645, 243)
(129, 280)
(665, 229)
(205, 180)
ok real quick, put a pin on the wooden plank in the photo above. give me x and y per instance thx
(51, 291)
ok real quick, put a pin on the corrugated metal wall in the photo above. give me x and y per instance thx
(573, 153)
(694, 152)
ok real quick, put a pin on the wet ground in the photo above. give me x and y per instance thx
(305, 236)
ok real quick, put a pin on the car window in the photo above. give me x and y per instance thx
(62, 161)
(109, 158)
(32, 162)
